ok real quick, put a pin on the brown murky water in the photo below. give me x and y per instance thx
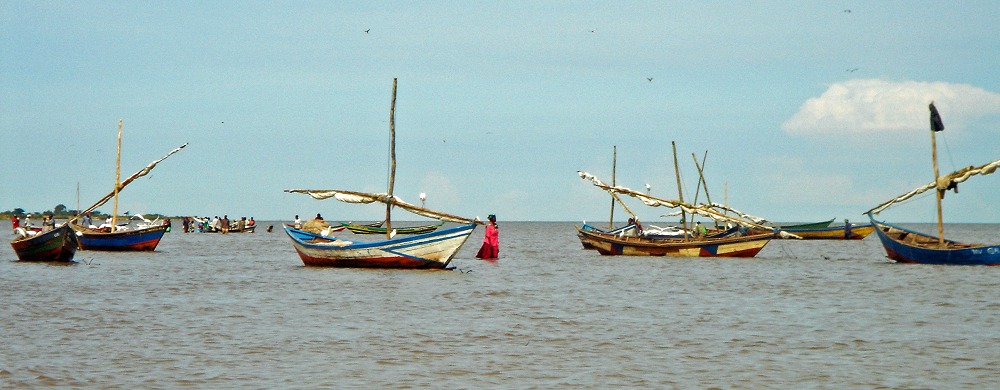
(211, 311)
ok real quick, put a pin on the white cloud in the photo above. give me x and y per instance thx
(861, 106)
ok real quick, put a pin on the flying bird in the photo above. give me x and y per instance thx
(650, 79)
(847, 11)
(852, 70)
(593, 30)
(366, 31)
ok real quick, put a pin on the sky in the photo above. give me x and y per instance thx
(802, 111)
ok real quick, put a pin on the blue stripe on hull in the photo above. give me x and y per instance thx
(902, 252)
(138, 240)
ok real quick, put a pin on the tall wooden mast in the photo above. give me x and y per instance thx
(392, 160)
(940, 191)
(680, 192)
(614, 164)
(118, 176)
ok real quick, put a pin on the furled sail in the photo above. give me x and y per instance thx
(740, 213)
(943, 182)
(142, 172)
(361, 197)
(703, 210)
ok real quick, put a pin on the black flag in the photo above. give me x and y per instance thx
(936, 123)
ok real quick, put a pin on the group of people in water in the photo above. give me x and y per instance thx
(217, 225)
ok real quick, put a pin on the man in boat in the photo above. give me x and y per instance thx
(225, 224)
(48, 223)
(316, 225)
(700, 229)
(298, 222)
(16, 223)
(87, 221)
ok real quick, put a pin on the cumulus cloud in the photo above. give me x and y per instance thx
(863, 106)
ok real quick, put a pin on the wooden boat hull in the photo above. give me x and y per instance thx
(139, 240)
(587, 245)
(369, 229)
(57, 245)
(856, 232)
(611, 245)
(423, 251)
(907, 246)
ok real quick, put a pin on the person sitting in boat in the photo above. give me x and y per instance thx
(700, 230)
(48, 224)
(638, 227)
(27, 222)
(251, 222)
(316, 225)
(298, 222)
(106, 225)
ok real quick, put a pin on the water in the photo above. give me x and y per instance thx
(211, 311)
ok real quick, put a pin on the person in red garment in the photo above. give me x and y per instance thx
(491, 241)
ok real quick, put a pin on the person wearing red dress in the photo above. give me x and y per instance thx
(491, 241)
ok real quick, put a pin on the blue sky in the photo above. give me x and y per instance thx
(807, 111)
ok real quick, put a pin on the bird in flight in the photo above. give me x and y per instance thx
(366, 31)
(847, 11)
(650, 79)
(593, 30)
(852, 70)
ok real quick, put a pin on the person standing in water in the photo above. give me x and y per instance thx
(491, 241)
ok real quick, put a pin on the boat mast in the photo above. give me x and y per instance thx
(701, 178)
(118, 175)
(680, 193)
(614, 164)
(392, 160)
(940, 192)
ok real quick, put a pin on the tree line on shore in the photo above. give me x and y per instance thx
(60, 211)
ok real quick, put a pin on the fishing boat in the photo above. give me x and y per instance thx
(811, 225)
(735, 245)
(433, 250)
(368, 229)
(58, 244)
(908, 246)
(845, 232)
(139, 236)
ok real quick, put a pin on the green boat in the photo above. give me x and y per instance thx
(804, 226)
(378, 229)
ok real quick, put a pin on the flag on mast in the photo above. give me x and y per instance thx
(936, 123)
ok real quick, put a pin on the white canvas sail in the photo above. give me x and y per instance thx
(941, 183)
(364, 198)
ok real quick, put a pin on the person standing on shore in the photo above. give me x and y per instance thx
(491, 241)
